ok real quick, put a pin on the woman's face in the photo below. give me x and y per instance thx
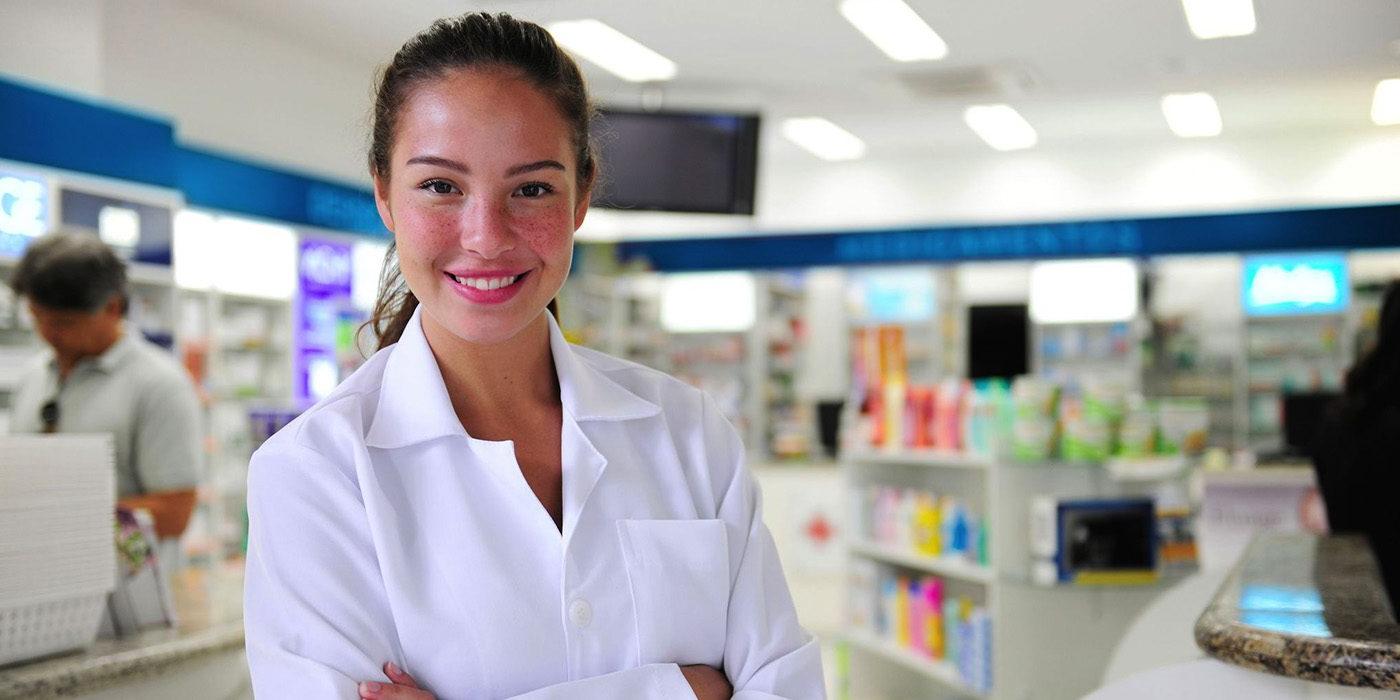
(483, 201)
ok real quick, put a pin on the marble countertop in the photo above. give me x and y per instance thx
(1306, 606)
(209, 605)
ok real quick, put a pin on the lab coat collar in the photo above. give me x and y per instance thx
(414, 406)
(586, 391)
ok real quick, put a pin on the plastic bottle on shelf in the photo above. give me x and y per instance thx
(889, 607)
(917, 639)
(926, 525)
(901, 611)
(951, 619)
(933, 595)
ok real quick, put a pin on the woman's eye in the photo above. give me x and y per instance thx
(438, 187)
(535, 189)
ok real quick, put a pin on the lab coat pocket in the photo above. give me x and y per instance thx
(678, 571)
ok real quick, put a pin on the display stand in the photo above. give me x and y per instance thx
(1026, 618)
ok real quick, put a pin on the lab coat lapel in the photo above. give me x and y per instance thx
(413, 404)
(589, 396)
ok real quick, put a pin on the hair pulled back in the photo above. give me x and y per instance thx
(473, 40)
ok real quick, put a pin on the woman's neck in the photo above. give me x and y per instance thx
(492, 385)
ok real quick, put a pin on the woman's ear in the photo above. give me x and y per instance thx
(381, 201)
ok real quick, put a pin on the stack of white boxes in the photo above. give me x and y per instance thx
(57, 557)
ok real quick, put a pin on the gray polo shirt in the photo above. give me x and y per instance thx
(137, 393)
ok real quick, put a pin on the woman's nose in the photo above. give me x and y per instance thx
(486, 230)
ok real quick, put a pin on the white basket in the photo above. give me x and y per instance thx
(35, 629)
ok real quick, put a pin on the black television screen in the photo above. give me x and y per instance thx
(677, 161)
(998, 341)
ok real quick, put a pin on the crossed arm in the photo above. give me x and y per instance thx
(707, 683)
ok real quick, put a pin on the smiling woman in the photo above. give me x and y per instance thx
(483, 510)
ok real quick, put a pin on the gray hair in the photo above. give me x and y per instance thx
(70, 270)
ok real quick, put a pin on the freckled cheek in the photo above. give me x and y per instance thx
(425, 234)
(547, 232)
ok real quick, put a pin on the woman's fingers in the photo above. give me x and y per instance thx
(398, 676)
(374, 690)
(403, 687)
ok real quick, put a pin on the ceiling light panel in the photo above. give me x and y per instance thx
(1217, 19)
(895, 28)
(612, 51)
(823, 138)
(1385, 106)
(1192, 115)
(1002, 127)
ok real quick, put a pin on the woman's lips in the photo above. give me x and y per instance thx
(488, 287)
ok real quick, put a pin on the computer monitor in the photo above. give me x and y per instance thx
(1302, 415)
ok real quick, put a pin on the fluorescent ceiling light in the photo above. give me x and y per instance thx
(1385, 107)
(612, 51)
(895, 28)
(1216, 19)
(1002, 127)
(823, 139)
(1192, 115)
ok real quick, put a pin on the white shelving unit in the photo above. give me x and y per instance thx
(1280, 354)
(247, 347)
(941, 673)
(1026, 618)
(970, 479)
(949, 567)
(785, 422)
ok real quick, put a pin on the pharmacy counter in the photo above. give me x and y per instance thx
(202, 657)
(1306, 606)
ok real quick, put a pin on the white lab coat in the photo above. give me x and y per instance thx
(380, 531)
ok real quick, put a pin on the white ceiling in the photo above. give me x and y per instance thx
(1080, 70)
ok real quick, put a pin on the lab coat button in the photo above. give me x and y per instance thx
(581, 613)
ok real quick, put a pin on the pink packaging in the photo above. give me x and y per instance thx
(918, 612)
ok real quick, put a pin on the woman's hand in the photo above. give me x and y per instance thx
(707, 682)
(402, 688)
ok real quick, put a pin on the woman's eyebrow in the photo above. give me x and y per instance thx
(440, 162)
(462, 168)
(537, 165)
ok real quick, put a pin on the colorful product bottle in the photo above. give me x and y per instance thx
(933, 593)
(901, 611)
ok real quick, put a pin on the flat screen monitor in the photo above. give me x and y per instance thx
(1302, 415)
(998, 341)
(677, 161)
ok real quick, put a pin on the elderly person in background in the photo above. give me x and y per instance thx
(101, 376)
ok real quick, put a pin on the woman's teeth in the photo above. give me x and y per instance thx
(484, 283)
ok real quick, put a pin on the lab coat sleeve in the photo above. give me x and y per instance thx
(767, 654)
(658, 681)
(316, 617)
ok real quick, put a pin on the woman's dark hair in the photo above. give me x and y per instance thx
(474, 40)
(1373, 383)
(70, 271)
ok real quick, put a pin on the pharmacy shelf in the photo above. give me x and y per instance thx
(943, 672)
(941, 566)
(922, 458)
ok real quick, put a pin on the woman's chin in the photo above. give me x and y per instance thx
(491, 327)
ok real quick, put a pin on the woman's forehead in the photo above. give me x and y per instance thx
(482, 107)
